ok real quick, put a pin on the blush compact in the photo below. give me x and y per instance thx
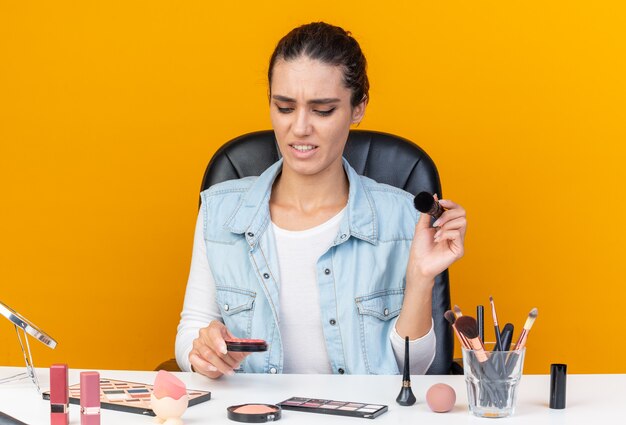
(254, 413)
(246, 345)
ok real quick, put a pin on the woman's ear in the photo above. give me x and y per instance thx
(358, 112)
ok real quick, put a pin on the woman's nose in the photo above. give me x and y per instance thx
(302, 125)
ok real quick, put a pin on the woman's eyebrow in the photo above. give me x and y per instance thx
(323, 101)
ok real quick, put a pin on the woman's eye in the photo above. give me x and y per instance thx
(284, 110)
(325, 113)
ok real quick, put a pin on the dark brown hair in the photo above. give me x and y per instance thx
(331, 45)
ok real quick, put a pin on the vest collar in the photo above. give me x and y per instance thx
(252, 215)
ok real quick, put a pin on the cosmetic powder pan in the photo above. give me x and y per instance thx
(246, 345)
(254, 413)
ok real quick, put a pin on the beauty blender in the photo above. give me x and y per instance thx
(169, 399)
(167, 385)
(440, 398)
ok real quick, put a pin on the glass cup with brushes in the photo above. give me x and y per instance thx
(492, 370)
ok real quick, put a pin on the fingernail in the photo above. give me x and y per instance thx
(437, 234)
(436, 223)
(212, 368)
(230, 373)
(223, 349)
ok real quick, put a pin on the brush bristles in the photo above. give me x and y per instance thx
(449, 316)
(424, 202)
(467, 326)
(457, 311)
(493, 311)
(531, 319)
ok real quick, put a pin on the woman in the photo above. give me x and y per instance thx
(330, 268)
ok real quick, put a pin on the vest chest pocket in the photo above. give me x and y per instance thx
(376, 311)
(237, 308)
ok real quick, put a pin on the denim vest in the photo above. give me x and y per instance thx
(361, 277)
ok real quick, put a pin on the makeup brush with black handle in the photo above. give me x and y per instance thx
(427, 204)
(506, 337)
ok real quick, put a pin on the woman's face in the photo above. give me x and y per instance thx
(311, 114)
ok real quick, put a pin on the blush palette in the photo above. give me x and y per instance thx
(129, 397)
(333, 407)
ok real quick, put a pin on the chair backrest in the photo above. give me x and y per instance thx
(382, 157)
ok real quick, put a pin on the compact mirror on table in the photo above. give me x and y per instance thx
(23, 328)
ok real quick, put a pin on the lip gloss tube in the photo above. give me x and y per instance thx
(59, 395)
(90, 398)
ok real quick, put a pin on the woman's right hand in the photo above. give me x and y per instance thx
(209, 355)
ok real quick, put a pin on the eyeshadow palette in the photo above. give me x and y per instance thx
(333, 407)
(127, 396)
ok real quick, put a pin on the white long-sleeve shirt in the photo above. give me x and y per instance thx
(300, 324)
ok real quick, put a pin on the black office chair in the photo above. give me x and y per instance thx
(382, 157)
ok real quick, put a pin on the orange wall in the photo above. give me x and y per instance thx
(109, 113)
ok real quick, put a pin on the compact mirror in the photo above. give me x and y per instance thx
(26, 327)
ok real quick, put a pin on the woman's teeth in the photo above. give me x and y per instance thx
(303, 148)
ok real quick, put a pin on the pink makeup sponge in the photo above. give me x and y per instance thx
(167, 385)
(440, 398)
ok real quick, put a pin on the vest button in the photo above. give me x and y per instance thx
(333, 322)
(273, 370)
(343, 236)
(266, 275)
(341, 371)
(251, 234)
(226, 307)
(327, 271)
(386, 312)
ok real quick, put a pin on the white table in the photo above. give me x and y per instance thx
(591, 399)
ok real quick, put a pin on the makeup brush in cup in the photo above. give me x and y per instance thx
(507, 336)
(468, 327)
(521, 342)
(457, 311)
(511, 361)
(449, 316)
(495, 325)
(480, 320)
(406, 396)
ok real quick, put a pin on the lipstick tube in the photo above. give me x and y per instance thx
(59, 395)
(90, 398)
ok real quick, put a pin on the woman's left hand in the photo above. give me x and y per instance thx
(434, 249)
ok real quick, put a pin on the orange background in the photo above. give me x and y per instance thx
(109, 113)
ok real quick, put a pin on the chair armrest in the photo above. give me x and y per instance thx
(457, 367)
(169, 365)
